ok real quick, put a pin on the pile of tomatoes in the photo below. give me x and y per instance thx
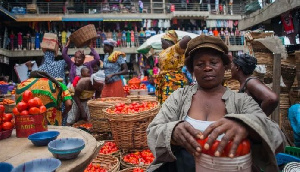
(87, 126)
(8, 101)
(138, 170)
(108, 148)
(144, 157)
(94, 168)
(134, 87)
(243, 148)
(5, 120)
(29, 105)
(135, 107)
(3, 83)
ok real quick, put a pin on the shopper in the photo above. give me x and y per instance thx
(114, 65)
(242, 68)
(229, 116)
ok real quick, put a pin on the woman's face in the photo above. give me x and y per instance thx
(107, 49)
(79, 58)
(165, 44)
(234, 70)
(208, 69)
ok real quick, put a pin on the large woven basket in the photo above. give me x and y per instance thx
(98, 118)
(125, 165)
(115, 154)
(259, 47)
(131, 169)
(284, 99)
(109, 162)
(294, 96)
(84, 35)
(288, 74)
(264, 57)
(285, 123)
(137, 98)
(129, 130)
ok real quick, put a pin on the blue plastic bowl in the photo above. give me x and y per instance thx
(5, 167)
(43, 138)
(66, 148)
(37, 165)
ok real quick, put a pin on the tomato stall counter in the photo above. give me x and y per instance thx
(19, 150)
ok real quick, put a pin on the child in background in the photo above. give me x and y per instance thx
(85, 72)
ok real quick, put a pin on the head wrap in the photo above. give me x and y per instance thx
(246, 62)
(98, 77)
(110, 42)
(171, 35)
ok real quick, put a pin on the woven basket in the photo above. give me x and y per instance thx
(233, 84)
(288, 75)
(257, 35)
(102, 136)
(84, 35)
(98, 118)
(295, 96)
(125, 165)
(137, 98)
(284, 99)
(227, 75)
(129, 130)
(264, 57)
(285, 123)
(5, 134)
(259, 47)
(109, 162)
(131, 169)
(115, 154)
(269, 71)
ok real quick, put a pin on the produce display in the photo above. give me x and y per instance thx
(87, 126)
(135, 107)
(8, 101)
(243, 148)
(138, 170)
(134, 87)
(29, 105)
(94, 168)
(6, 120)
(108, 148)
(3, 83)
(144, 157)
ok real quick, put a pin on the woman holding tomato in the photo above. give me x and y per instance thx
(208, 118)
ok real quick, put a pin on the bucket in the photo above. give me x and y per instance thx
(207, 163)
(29, 124)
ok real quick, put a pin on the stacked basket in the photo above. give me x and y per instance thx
(84, 35)
(288, 73)
(284, 121)
(109, 162)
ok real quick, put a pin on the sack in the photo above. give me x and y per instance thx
(50, 43)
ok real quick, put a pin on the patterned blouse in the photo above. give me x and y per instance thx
(111, 68)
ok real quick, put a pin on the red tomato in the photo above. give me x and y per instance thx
(16, 111)
(7, 125)
(239, 150)
(43, 109)
(202, 143)
(227, 149)
(39, 101)
(213, 148)
(24, 112)
(246, 147)
(33, 103)
(2, 109)
(138, 170)
(22, 106)
(34, 111)
(27, 95)
(7, 117)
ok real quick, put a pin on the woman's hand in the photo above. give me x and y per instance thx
(91, 44)
(185, 135)
(234, 131)
(108, 77)
(29, 65)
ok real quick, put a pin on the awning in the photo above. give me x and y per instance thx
(190, 14)
(107, 20)
(81, 19)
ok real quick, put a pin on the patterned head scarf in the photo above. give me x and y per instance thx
(171, 35)
(110, 42)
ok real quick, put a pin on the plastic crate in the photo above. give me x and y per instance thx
(295, 151)
(283, 158)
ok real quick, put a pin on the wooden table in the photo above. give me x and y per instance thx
(19, 150)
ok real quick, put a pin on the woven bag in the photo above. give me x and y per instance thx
(84, 35)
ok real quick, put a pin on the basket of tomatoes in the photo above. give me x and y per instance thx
(9, 105)
(6, 123)
(83, 125)
(109, 147)
(140, 159)
(30, 115)
(129, 122)
(99, 120)
(105, 162)
(134, 169)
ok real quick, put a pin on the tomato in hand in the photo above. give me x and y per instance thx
(34, 111)
(27, 95)
(15, 111)
(22, 106)
(246, 147)
(7, 117)
(7, 126)
(24, 113)
(43, 109)
(33, 103)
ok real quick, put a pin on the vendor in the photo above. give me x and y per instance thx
(171, 61)
(114, 65)
(230, 116)
(75, 67)
(242, 68)
(84, 91)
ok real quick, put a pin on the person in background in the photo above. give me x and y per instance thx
(20, 41)
(132, 38)
(98, 40)
(153, 32)
(79, 57)
(205, 31)
(123, 38)
(12, 37)
(147, 33)
(85, 72)
(28, 37)
(114, 65)
(136, 37)
(171, 62)
(210, 32)
(37, 40)
(141, 6)
(216, 32)
(32, 42)
(84, 91)
(128, 38)
(63, 38)
(242, 68)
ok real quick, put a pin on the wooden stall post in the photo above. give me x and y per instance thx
(276, 84)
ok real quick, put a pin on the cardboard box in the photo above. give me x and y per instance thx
(50, 42)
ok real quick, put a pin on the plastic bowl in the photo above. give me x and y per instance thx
(66, 148)
(6, 167)
(43, 138)
(37, 165)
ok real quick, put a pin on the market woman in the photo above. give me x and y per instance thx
(51, 95)
(114, 65)
(75, 67)
(242, 68)
(171, 61)
(84, 91)
(209, 110)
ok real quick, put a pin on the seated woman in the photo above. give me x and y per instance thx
(242, 68)
(84, 91)
(207, 109)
